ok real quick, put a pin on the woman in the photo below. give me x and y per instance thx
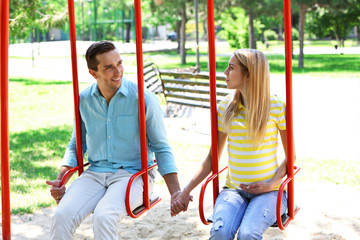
(249, 120)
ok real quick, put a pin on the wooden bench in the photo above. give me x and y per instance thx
(183, 88)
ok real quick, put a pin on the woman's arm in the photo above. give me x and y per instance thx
(182, 201)
(261, 187)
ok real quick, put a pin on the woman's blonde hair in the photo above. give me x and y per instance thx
(256, 94)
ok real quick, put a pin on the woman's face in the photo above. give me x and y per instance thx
(235, 76)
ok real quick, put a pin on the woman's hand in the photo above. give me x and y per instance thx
(181, 203)
(257, 188)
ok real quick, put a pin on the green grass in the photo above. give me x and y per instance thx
(316, 65)
(40, 125)
(335, 171)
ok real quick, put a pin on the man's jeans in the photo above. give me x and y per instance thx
(252, 213)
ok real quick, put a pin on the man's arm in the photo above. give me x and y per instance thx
(172, 183)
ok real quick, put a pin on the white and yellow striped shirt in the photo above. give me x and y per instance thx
(249, 164)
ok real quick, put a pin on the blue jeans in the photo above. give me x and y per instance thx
(251, 214)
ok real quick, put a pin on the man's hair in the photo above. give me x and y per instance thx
(96, 49)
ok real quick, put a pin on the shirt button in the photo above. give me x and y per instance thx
(109, 156)
(103, 102)
(109, 120)
(109, 137)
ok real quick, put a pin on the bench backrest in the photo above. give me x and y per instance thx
(152, 78)
(191, 89)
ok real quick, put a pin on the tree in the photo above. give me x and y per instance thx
(26, 16)
(305, 6)
(235, 25)
(339, 17)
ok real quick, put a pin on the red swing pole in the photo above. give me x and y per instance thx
(213, 107)
(4, 105)
(289, 106)
(72, 31)
(290, 168)
(142, 124)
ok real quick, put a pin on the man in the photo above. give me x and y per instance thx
(110, 135)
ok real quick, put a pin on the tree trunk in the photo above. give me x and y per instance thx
(183, 34)
(280, 32)
(358, 35)
(178, 26)
(303, 9)
(128, 31)
(252, 38)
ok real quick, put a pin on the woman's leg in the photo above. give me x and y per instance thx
(77, 203)
(229, 209)
(260, 215)
(112, 207)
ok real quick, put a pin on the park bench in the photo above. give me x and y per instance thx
(183, 88)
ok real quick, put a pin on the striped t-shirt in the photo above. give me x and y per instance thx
(249, 164)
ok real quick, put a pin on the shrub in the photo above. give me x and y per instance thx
(270, 35)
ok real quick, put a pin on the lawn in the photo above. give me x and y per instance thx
(316, 65)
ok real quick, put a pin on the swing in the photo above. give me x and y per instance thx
(147, 202)
(282, 220)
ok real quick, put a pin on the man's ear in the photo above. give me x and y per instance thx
(93, 73)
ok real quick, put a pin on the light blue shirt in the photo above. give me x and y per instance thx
(111, 135)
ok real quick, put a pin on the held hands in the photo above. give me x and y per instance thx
(56, 191)
(257, 188)
(180, 202)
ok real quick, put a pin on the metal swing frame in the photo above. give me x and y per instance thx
(282, 221)
(147, 204)
(4, 124)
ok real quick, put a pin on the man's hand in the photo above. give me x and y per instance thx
(56, 191)
(180, 202)
(257, 188)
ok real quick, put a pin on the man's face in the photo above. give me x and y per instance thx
(110, 72)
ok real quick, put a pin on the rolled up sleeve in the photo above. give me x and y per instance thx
(156, 136)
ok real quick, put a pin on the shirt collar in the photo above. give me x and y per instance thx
(123, 89)
(241, 107)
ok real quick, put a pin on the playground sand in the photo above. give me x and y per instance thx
(328, 211)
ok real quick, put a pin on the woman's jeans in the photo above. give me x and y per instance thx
(251, 214)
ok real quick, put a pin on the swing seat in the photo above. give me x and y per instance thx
(137, 212)
(285, 218)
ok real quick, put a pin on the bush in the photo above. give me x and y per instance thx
(294, 34)
(270, 35)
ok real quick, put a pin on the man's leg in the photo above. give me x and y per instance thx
(77, 203)
(112, 207)
(260, 215)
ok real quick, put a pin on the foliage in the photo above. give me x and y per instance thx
(270, 35)
(335, 20)
(235, 26)
(30, 14)
(294, 34)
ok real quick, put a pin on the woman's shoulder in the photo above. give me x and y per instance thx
(225, 102)
(275, 102)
